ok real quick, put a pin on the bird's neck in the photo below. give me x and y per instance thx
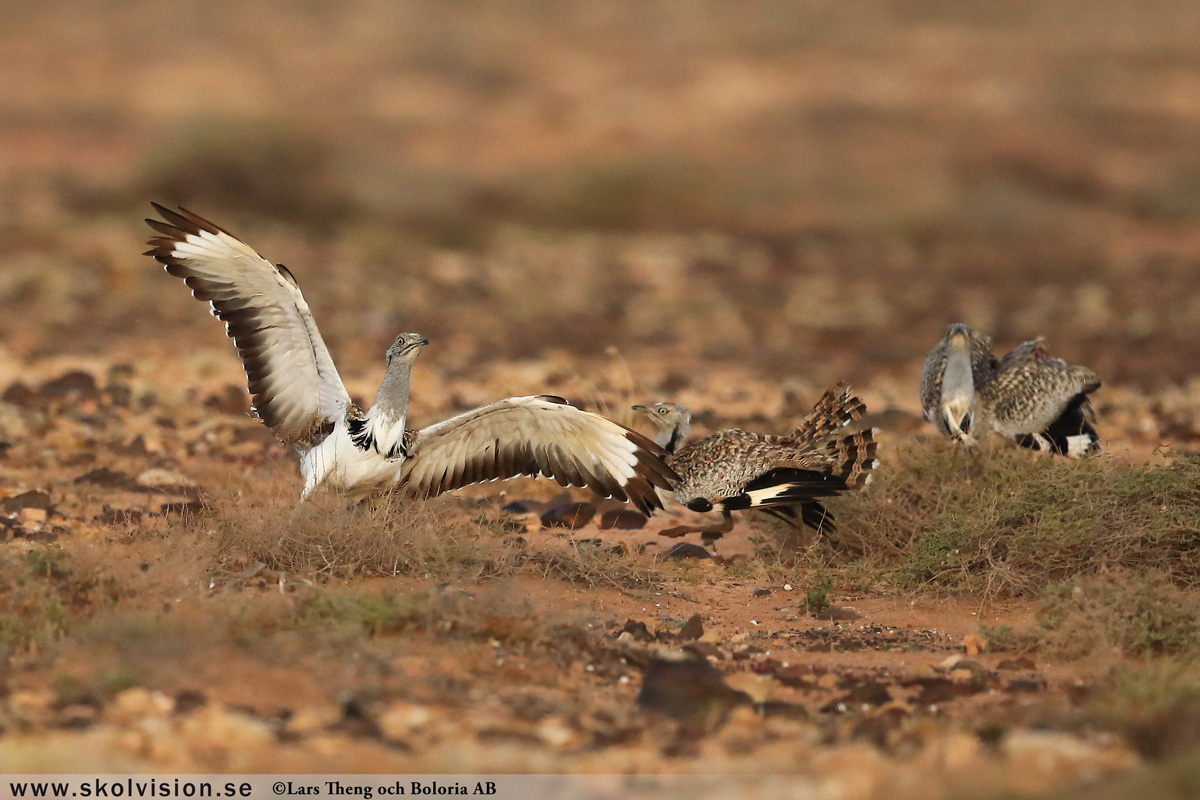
(389, 411)
(671, 439)
(958, 379)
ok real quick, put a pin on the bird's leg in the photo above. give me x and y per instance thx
(709, 535)
(680, 530)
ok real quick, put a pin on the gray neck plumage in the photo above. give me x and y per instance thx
(958, 379)
(671, 439)
(383, 428)
(391, 400)
(958, 388)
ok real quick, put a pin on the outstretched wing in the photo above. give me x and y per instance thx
(296, 388)
(537, 435)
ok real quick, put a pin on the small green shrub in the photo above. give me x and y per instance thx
(1003, 522)
(1141, 614)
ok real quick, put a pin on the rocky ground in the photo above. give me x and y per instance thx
(728, 211)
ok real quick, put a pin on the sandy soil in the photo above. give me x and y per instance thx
(728, 210)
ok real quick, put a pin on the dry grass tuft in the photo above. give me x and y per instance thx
(326, 537)
(1140, 614)
(493, 613)
(592, 566)
(1004, 522)
(43, 590)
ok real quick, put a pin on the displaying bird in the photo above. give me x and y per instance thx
(299, 395)
(780, 475)
(958, 364)
(1038, 401)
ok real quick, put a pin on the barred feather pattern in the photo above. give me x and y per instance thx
(738, 469)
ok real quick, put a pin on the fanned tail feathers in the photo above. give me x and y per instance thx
(836, 409)
(850, 458)
(856, 457)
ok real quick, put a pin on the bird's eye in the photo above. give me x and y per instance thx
(662, 411)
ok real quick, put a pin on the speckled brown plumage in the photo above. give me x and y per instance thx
(982, 363)
(1041, 402)
(736, 469)
(1038, 401)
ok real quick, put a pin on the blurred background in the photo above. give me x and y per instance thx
(795, 192)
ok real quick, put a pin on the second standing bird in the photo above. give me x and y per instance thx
(1038, 401)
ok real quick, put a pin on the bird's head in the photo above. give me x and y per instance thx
(406, 347)
(666, 416)
(672, 423)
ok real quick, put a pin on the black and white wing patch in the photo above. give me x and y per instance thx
(539, 435)
(296, 387)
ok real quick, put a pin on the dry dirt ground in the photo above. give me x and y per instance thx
(638, 203)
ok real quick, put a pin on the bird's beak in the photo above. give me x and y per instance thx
(640, 407)
(423, 341)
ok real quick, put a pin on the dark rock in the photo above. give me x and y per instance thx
(77, 717)
(18, 394)
(103, 476)
(120, 394)
(683, 550)
(135, 447)
(31, 499)
(572, 515)
(992, 734)
(692, 630)
(188, 700)
(691, 691)
(75, 382)
(622, 519)
(44, 535)
(637, 630)
(356, 721)
(762, 592)
(10, 529)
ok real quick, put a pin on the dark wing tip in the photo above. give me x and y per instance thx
(182, 221)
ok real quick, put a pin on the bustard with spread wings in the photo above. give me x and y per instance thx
(299, 395)
(1038, 401)
(735, 469)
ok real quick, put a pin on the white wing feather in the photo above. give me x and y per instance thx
(296, 387)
